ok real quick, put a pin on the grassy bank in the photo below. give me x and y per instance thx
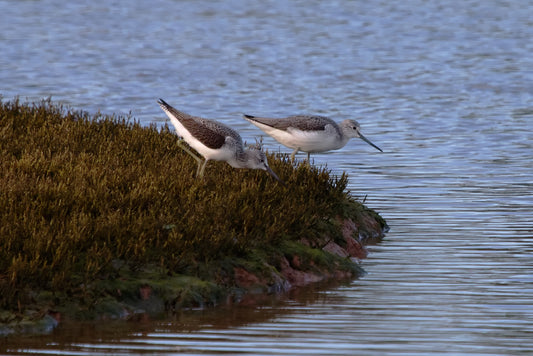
(96, 208)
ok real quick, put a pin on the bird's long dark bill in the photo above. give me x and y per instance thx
(271, 172)
(370, 143)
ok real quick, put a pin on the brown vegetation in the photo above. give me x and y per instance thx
(85, 199)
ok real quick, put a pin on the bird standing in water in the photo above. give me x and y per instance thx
(310, 134)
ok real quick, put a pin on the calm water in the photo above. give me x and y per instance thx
(445, 88)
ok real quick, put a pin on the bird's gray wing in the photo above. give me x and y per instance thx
(203, 130)
(216, 131)
(300, 122)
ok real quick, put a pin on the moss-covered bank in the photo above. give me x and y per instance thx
(102, 217)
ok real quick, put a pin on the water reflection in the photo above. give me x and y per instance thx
(189, 329)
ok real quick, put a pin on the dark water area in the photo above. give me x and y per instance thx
(444, 88)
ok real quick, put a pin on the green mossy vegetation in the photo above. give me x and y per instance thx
(94, 206)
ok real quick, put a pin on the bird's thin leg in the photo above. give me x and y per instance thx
(201, 173)
(191, 153)
(309, 158)
(186, 149)
(199, 169)
(293, 155)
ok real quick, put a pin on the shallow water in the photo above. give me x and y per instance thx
(445, 89)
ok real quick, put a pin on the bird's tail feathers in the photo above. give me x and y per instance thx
(162, 102)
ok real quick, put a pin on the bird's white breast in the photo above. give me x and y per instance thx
(208, 153)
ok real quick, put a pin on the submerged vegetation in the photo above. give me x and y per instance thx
(87, 200)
